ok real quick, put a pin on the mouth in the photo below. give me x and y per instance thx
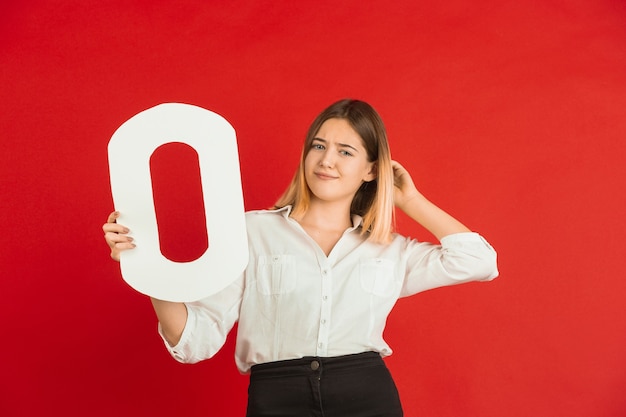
(325, 176)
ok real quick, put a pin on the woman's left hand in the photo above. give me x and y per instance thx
(408, 199)
(404, 188)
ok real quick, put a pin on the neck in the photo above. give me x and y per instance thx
(327, 216)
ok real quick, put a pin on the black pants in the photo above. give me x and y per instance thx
(353, 385)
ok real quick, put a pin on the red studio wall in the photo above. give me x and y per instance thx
(511, 115)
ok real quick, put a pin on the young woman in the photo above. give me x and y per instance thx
(324, 272)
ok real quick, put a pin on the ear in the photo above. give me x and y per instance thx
(372, 174)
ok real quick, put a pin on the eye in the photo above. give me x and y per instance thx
(317, 146)
(345, 153)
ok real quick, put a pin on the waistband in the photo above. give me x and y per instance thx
(317, 363)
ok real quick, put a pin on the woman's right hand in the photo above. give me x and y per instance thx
(172, 316)
(116, 236)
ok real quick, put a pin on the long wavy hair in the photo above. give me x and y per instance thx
(374, 199)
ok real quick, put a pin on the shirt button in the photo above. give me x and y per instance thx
(323, 321)
(325, 298)
(315, 365)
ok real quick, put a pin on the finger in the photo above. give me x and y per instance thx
(396, 164)
(120, 246)
(117, 237)
(115, 242)
(113, 217)
(114, 228)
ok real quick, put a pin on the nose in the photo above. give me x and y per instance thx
(327, 160)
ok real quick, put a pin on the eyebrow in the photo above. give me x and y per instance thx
(341, 145)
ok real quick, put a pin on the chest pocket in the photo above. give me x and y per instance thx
(276, 274)
(377, 276)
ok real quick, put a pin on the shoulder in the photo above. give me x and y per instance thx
(264, 218)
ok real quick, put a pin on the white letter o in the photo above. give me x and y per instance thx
(145, 268)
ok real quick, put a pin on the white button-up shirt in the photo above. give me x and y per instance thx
(293, 300)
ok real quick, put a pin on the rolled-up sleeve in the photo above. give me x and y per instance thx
(208, 323)
(461, 257)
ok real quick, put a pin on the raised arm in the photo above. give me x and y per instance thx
(172, 316)
(408, 199)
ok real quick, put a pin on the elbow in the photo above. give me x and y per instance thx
(198, 346)
(489, 269)
(484, 267)
(469, 257)
(487, 266)
(479, 268)
(183, 359)
(190, 357)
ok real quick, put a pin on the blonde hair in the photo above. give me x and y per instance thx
(374, 200)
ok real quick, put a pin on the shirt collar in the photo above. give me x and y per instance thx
(357, 220)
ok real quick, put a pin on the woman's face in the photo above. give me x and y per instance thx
(337, 164)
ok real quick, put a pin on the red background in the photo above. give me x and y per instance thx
(509, 114)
